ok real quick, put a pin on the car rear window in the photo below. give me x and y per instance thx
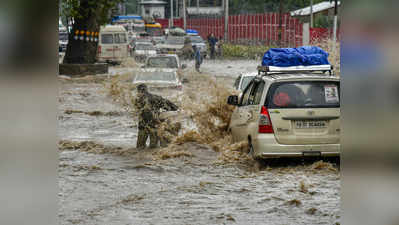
(107, 39)
(162, 62)
(157, 76)
(304, 94)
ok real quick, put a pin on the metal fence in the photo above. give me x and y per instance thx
(250, 28)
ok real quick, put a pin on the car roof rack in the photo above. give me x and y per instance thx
(269, 70)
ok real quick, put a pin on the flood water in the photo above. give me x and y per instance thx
(104, 179)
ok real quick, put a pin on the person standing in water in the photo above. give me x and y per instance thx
(149, 107)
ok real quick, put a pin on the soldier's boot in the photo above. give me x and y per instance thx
(164, 142)
(141, 138)
(153, 139)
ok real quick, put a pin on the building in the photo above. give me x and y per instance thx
(323, 8)
(198, 8)
(153, 8)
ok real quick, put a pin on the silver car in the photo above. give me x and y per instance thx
(198, 42)
(159, 79)
(288, 114)
(142, 50)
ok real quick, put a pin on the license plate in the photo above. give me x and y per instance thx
(171, 52)
(310, 124)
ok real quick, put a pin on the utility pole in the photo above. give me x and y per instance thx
(226, 20)
(171, 14)
(311, 13)
(280, 24)
(184, 15)
(335, 24)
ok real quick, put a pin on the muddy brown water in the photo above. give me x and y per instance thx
(103, 179)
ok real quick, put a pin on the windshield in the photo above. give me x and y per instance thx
(162, 62)
(138, 29)
(308, 94)
(63, 36)
(175, 40)
(157, 76)
(196, 39)
(145, 47)
(245, 82)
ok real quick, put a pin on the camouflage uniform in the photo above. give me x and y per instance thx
(167, 131)
(149, 106)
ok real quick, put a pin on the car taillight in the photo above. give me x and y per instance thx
(265, 124)
(99, 49)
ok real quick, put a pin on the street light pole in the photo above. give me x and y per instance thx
(171, 14)
(226, 20)
(184, 15)
(335, 24)
(311, 13)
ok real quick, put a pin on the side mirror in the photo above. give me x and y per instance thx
(184, 66)
(232, 100)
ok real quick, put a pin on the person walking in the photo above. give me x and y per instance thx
(220, 47)
(197, 58)
(212, 43)
(149, 107)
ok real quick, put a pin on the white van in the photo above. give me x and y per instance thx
(113, 44)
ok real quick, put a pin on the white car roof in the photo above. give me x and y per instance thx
(113, 28)
(149, 70)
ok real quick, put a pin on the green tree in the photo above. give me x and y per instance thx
(88, 15)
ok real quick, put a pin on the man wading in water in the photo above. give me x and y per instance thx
(149, 107)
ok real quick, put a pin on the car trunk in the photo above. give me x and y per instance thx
(305, 112)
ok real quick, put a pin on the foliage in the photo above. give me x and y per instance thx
(244, 51)
(322, 21)
(81, 9)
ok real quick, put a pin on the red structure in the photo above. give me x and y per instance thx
(260, 28)
(319, 34)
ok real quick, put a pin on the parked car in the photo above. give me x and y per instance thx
(289, 114)
(142, 50)
(199, 43)
(243, 80)
(113, 44)
(172, 45)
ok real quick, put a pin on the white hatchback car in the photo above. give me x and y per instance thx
(292, 112)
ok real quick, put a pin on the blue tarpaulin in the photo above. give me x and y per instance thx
(302, 56)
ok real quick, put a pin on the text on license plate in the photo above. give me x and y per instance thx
(310, 124)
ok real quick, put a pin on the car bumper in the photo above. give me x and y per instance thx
(267, 147)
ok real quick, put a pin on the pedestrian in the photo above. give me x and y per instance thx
(212, 43)
(220, 47)
(149, 107)
(197, 58)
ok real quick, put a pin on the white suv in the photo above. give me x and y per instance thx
(289, 112)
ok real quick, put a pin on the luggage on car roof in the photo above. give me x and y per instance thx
(302, 56)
